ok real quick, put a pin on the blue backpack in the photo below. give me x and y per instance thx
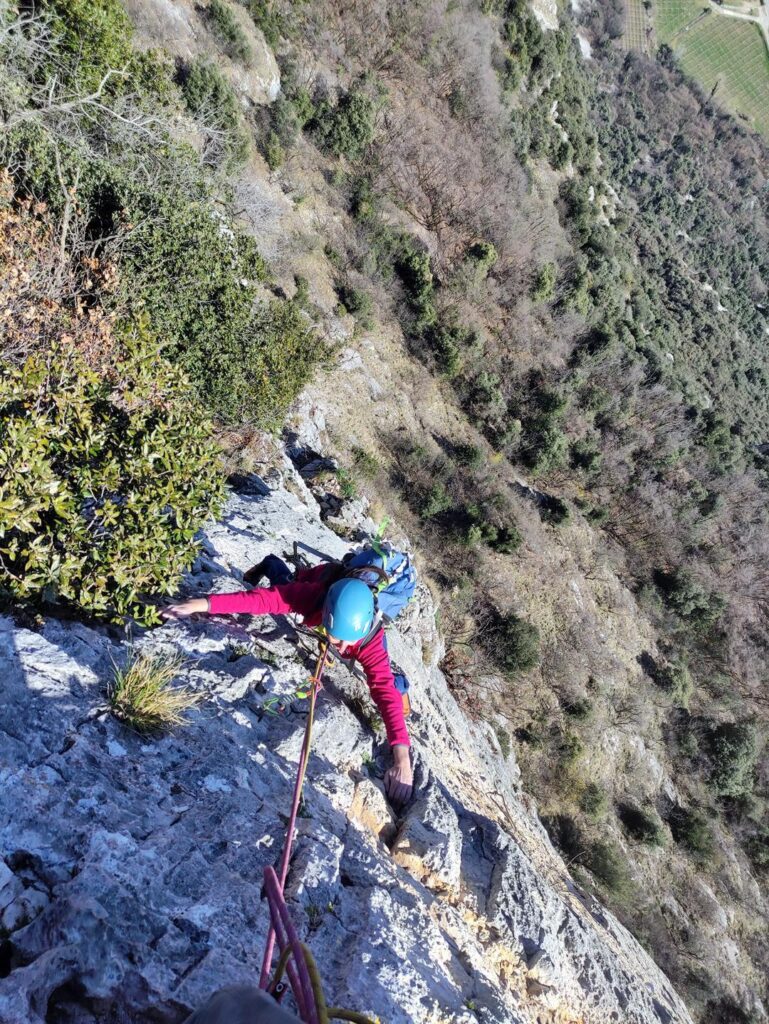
(388, 572)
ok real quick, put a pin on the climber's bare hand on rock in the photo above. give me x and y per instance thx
(184, 609)
(399, 780)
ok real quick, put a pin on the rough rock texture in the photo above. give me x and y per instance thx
(179, 27)
(131, 867)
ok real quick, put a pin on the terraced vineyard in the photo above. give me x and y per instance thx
(730, 56)
(638, 22)
(727, 56)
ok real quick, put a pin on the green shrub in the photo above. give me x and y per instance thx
(641, 824)
(436, 501)
(468, 455)
(581, 708)
(358, 303)
(733, 755)
(676, 680)
(554, 510)
(585, 455)
(347, 128)
(483, 256)
(691, 830)
(516, 644)
(105, 480)
(543, 288)
(570, 746)
(593, 800)
(267, 18)
(688, 598)
(255, 376)
(448, 340)
(608, 865)
(365, 463)
(757, 848)
(92, 36)
(412, 265)
(227, 30)
(566, 835)
(274, 153)
(208, 94)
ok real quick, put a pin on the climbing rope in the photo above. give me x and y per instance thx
(295, 959)
(298, 962)
(315, 684)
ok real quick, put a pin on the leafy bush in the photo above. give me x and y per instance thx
(468, 455)
(691, 830)
(140, 693)
(565, 833)
(608, 865)
(676, 680)
(358, 303)
(554, 510)
(593, 800)
(448, 340)
(365, 463)
(346, 129)
(688, 598)
(274, 153)
(483, 256)
(106, 478)
(93, 36)
(412, 265)
(227, 30)
(210, 96)
(581, 708)
(516, 644)
(254, 377)
(641, 824)
(757, 848)
(436, 501)
(544, 283)
(733, 754)
(267, 18)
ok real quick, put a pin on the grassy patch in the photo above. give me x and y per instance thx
(141, 694)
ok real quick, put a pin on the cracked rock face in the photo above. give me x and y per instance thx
(131, 870)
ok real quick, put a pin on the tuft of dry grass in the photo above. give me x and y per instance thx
(141, 695)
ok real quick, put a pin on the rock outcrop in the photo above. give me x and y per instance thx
(130, 879)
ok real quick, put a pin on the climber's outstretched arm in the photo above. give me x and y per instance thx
(301, 598)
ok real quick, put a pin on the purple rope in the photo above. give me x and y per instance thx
(286, 934)
(267, 959)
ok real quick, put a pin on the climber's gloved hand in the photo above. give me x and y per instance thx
(399, 780)
(183, 609)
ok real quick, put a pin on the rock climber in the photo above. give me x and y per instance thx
(345, 612)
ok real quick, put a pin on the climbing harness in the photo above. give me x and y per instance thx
(295, 959)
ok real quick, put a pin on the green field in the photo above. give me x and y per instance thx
(670, 16)
(714, 49)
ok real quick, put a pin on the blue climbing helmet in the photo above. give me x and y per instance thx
(348, 610)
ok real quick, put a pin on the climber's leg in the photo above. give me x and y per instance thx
(274, 568)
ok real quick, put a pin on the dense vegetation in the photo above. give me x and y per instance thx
(614, 347)
(134, 311)
(578, 251)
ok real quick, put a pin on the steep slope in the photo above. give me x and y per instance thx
(131, 882)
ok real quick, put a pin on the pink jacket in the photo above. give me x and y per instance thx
(305, 597)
